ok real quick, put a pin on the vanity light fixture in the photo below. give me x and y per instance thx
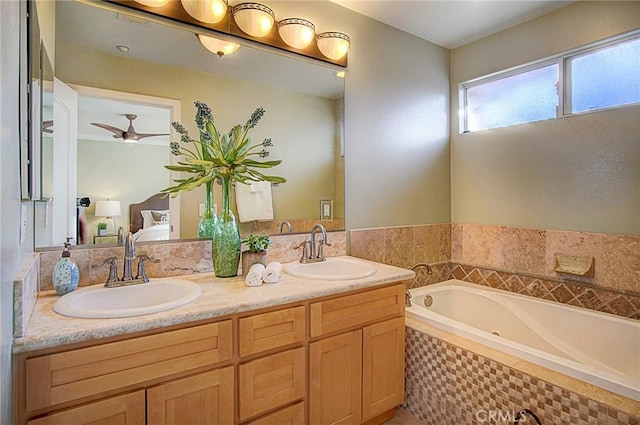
(254, 19)
(209, 11)
(217, 46)
(153, 3)
(296, 32)
(333, 45)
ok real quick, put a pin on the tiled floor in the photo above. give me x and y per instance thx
(403, 417)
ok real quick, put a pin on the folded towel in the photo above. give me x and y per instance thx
(254, 277)
(271, 273)
(254, 201)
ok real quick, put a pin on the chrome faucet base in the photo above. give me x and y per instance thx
(119, 283)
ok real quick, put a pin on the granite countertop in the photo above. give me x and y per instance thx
(220, 297)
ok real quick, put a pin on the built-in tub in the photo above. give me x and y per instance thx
(599, 348)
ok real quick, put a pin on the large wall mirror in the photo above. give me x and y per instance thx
(116, 64)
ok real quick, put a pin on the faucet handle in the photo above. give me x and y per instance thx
(113, 269)
(142, 271)
(304, 245)
(321, 245)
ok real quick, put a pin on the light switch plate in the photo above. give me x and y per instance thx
(23, 223)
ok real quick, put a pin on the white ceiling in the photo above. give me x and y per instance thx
(452, 23)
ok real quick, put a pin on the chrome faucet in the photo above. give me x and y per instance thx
(129, 256)
(127, 274)
(288, 224)
(310, 252)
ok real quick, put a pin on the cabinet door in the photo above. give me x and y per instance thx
(271, 382)
(126, 409)
(204, 399)
(382, 367)
(335, 372)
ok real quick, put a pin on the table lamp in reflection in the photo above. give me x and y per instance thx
(108, 209)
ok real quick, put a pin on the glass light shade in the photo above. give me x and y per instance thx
(333, 45)
(217, 46)
(209, 11)
(107, 209)
(253, 18)
(296, 32)
(153, 3)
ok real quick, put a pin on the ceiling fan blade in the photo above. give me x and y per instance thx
(141, 135)
(118, 132)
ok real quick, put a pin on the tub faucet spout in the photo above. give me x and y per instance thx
(407, 298)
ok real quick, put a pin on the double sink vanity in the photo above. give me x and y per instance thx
(324, 345)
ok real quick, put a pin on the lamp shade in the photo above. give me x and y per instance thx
(296, 32)
(153, 3)
(254, 19)
(333, 45)
(209, 11)
(108, 209)
(217, 46)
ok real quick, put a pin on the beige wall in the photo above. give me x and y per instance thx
(296, 123)
(397, 127)
(576, 173)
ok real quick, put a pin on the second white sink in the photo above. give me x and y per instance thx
(336, 268)
(96, 302)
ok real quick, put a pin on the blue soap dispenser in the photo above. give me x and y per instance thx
(66, 274)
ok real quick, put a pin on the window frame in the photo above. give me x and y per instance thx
(563, 85)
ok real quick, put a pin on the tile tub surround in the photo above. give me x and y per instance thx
(451, 380)
(220, 297)
(25, 293)
(514, 259)
(176, 258)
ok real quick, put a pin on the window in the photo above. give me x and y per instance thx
(588, 79)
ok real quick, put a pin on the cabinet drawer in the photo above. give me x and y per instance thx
(63, 377)
(126, 409)
(352, 311)
(270, 382)
(292, 415)
(263, 332)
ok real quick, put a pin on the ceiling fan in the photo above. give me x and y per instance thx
(128, 135)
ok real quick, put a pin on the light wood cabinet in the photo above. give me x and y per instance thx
(382, 367)
(271, 382)
(335, 372)
(206, 399)
(357, 376)
(126, 409)
(335, 360)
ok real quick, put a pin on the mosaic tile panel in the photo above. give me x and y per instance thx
(607, 300)
(447, 385)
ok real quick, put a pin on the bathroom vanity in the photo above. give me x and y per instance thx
(299, 351)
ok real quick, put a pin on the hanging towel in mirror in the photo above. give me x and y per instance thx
(254, 201)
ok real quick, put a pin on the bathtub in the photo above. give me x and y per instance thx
(598, 348)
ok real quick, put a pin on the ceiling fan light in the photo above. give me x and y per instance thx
(296, 32)
(254, 19)
(209, 11)
(333, 45)
(153, 3)
(217, 46)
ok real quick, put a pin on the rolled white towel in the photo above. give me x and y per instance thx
(271, 273)
(254, 277)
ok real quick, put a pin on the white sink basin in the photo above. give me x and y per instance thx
(97, 302)
(332, 269)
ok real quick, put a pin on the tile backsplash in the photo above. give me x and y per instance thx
(176, 258)
(514, 259)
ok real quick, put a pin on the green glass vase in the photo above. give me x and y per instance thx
(208, 220)
(226, 237)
